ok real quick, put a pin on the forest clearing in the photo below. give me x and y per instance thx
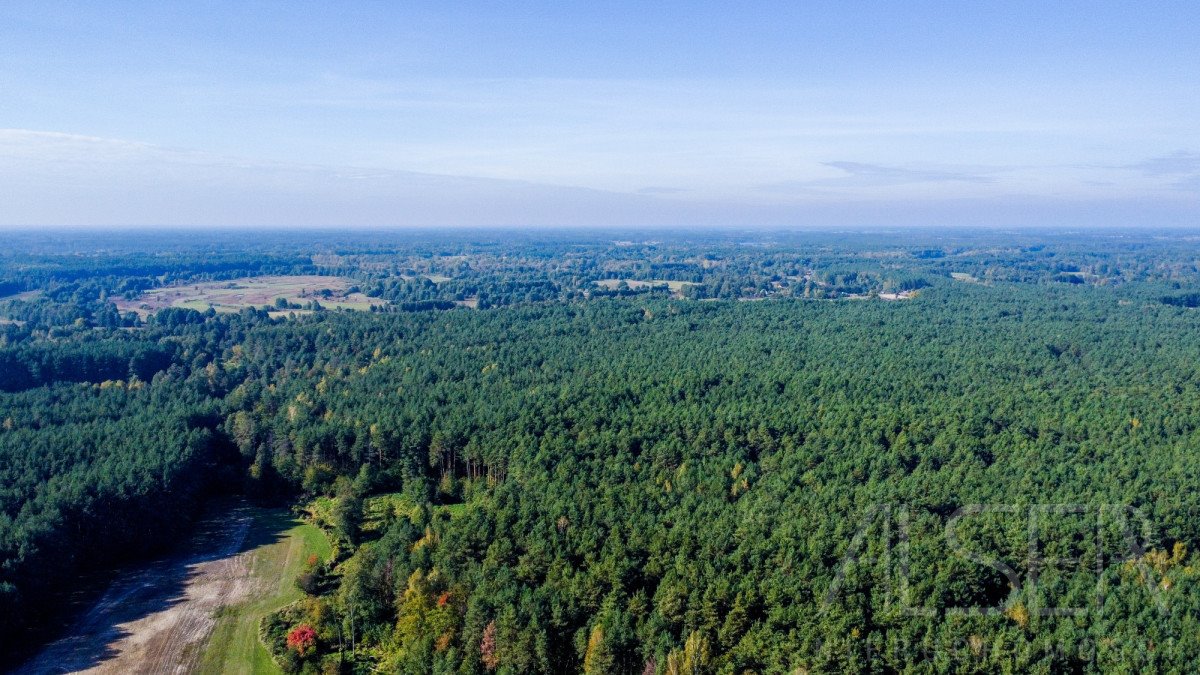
(675, 287)
(194, 610)
(234, 646)
(237, 294)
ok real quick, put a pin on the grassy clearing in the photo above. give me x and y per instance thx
(284, 544)
(237, 294)
(675, 286)
(375, 508)
(25, 296)
(284, 313)
(320, 509)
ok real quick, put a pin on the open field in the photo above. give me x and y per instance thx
(676, 287)
(25, 296)
(234, 646)
(197, 609)
(280, 313)
(376, 508)
(157, 617)
(237, 294)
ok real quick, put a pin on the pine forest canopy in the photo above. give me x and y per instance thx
(714, 452)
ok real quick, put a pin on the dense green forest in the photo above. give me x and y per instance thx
(994, 471)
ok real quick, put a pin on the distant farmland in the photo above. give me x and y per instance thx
(676, 287)
(237, 294)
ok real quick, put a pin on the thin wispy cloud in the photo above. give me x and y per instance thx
(867, 175)
(1182, 162)
(55, 178)
(1189, 184)
(1177, 171)
(896, 175)
(652, 190)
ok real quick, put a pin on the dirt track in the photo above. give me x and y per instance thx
(155, 619)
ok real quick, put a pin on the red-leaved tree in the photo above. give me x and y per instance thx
(302, 638)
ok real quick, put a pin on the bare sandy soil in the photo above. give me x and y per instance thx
(236, 294)
(156, 619)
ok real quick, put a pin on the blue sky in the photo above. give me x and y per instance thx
(600, 113)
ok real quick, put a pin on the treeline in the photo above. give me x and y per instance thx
(91, 477)
(109, 443)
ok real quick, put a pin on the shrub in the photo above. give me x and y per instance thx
(302, 638)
